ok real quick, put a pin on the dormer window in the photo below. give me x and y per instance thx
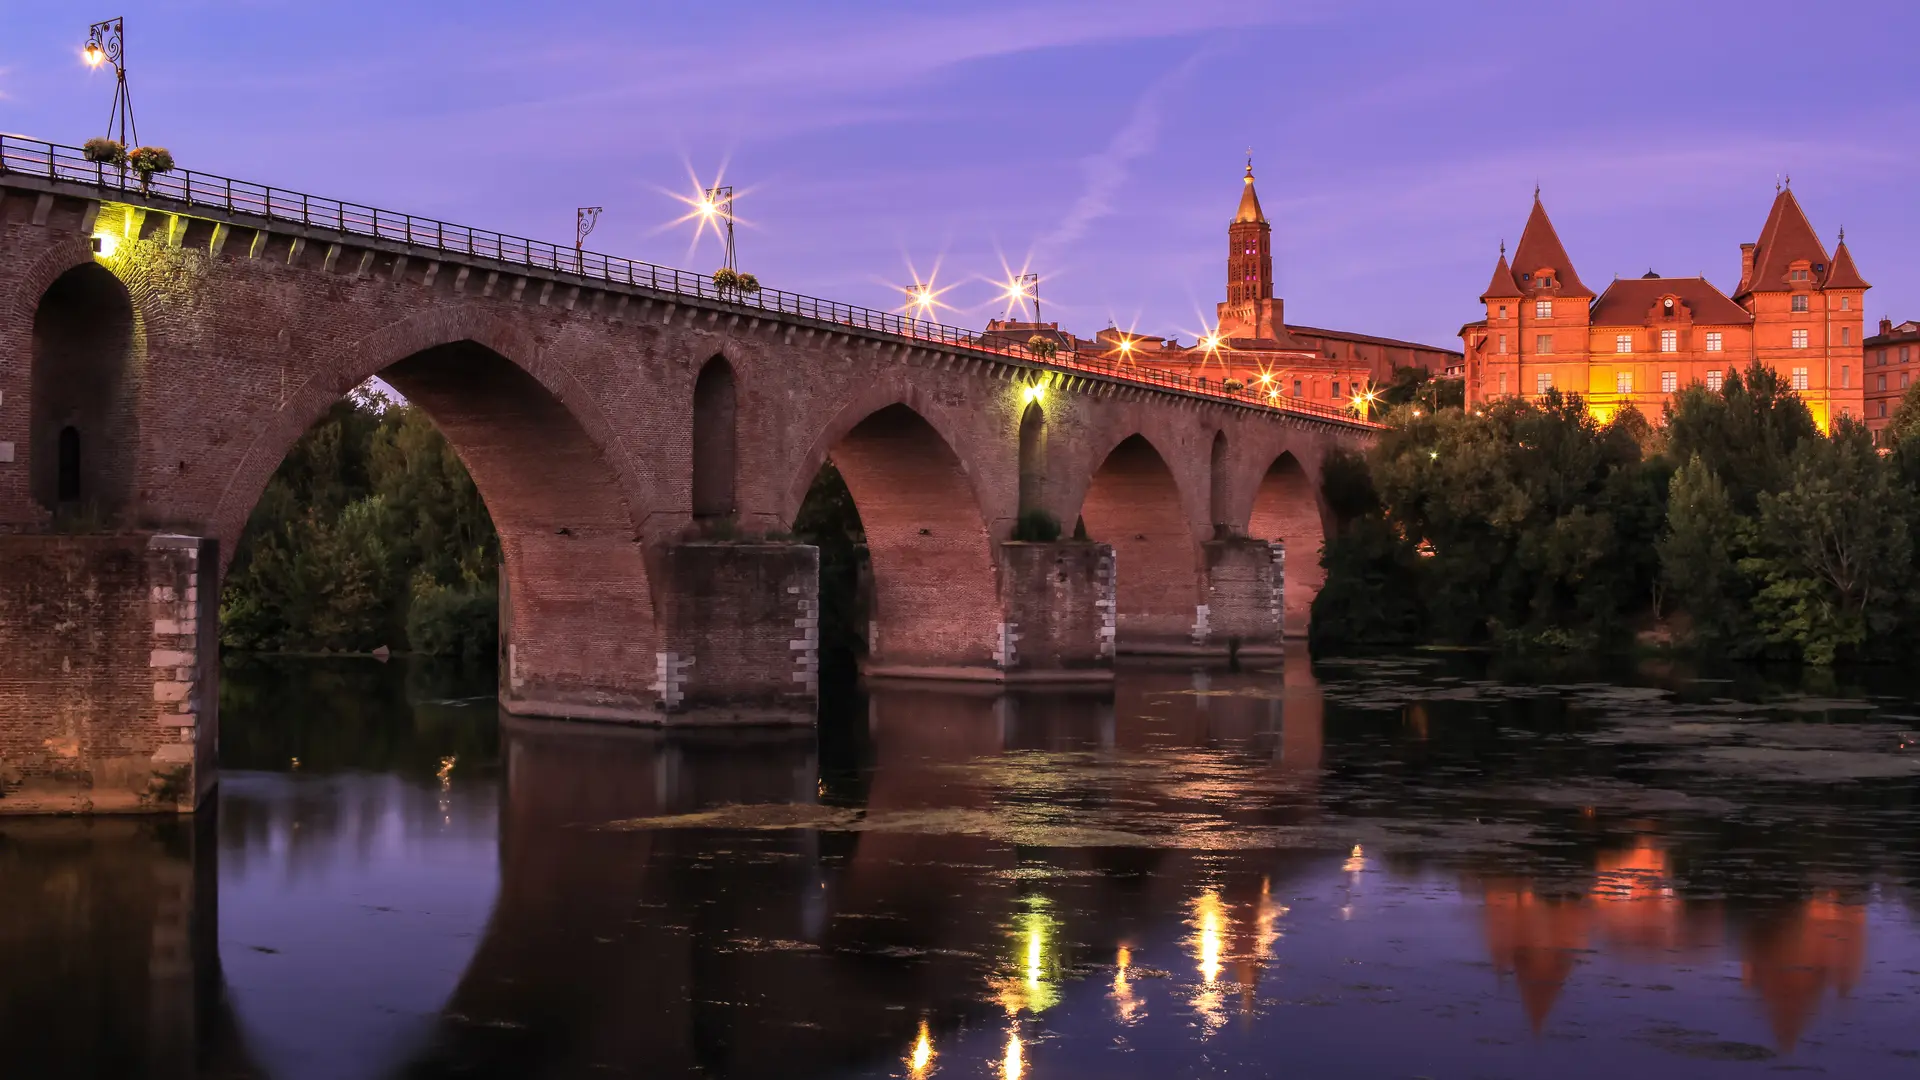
(1797, 275)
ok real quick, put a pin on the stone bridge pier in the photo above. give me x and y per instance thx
(644, 448)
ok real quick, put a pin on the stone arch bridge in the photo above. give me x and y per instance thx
(161, 348)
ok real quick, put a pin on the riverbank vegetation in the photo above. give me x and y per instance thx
(1733, 526)
(370, 534)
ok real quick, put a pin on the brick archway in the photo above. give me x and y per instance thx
(1133, 503)
(1286, 508)
(579, 625)
(935, 596)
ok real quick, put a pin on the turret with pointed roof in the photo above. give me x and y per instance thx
(1540, 250)
(1502, 286)
(1786, 239)
(1844, 275)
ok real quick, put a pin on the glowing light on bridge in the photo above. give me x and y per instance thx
(711, 206)
(105, 244)
(93, 54)
(1035, 391)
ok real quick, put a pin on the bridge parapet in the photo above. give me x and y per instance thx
(55, 168)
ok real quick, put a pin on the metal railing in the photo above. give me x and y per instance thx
(189, 189)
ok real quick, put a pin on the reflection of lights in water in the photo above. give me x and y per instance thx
(1010, 1066)
(1126, 1007)
(922, 1052)
(1356, 861)
(446, 771)
(1032, 988)
(1207, 915)
(296, 763)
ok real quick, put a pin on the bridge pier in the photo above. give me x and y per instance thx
(1240, 609)
(1054, 622)
(109, 673)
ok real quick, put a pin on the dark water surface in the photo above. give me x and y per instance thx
(1397, 867)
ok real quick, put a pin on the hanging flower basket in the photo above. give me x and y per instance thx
(104, 151)
(147, 160)
(732, 283)
(1042, 347)
(747, 284)
(1232, 386)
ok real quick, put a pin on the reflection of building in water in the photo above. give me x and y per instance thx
(1630, 907)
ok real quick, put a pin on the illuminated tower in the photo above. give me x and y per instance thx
(1250, 310)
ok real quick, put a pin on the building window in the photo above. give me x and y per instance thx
(1905, 352)
(1503, 311)
(1715, 379)
(1846, 303)
(1623, 382)
(1503, 384)
(1883, 408)
(1903, 380)
(1503, 344)
(1623, 343)
(1799, 339)
(1296, 388)
(1335, 395)
(1846, 377)
(1879, 382)
(1880, 357)
(1713, 341)
(1669, 341)
(1799, 378)
(1798, 275)
(1542, 381)
(1669, 381)
(1543, 309)
(1846, 335)
(1799, 301)
(1543, 343)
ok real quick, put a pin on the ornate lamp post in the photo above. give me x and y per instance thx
(1022, 288)
(106, 43)
(584, 219)
(717, 206)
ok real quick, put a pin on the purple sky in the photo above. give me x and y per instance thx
(1100, 141)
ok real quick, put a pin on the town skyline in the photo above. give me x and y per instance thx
(960, 137)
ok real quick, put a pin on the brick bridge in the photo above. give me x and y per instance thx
(161, 350)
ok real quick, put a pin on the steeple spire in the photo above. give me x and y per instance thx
(1249, 202)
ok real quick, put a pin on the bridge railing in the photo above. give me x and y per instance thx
(189, 189)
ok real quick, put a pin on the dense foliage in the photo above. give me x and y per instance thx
(1735, 526)
(370, 534)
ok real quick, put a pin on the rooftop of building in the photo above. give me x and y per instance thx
(1632, 301)
(1368, 339)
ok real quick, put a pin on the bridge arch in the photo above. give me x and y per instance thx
(716, 441)
(929, 543)
(87, 366)
(1133, 503)
(1033, 457)
(1287, 509)
(579, 630)
(1220, 484)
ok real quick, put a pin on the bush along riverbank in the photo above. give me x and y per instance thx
(370, 534)
(1734, 527)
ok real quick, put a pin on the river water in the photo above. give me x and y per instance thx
(1405, 866)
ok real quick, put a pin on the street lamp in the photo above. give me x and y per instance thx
(1020, 289)
(920, 301)
(716, 208)
(584, 219)
(106, 43)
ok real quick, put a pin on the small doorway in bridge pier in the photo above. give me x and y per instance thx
(84, 390)
(1286, 509)
(1034, 521)
(715, 443)
(1219, 512)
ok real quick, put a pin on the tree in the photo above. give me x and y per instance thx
(1697, 557)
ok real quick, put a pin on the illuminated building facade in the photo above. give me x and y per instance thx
(1796, 309)
(1251, 341)
(1890, 356)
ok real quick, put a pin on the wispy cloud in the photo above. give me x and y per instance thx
(1108, 170)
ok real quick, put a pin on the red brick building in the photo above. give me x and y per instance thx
(1796, 309)
(1251, 341)
(1890, 358)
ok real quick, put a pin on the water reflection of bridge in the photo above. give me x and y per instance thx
(795, 949)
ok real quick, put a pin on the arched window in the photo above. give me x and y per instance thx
(1033, 456)
(715, 440)
(85, 390)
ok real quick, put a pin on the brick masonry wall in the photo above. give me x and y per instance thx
(572, 403)
(103, 706)
(741, 637)
(1244, 587)
(1055, 619)
(1287, 510)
